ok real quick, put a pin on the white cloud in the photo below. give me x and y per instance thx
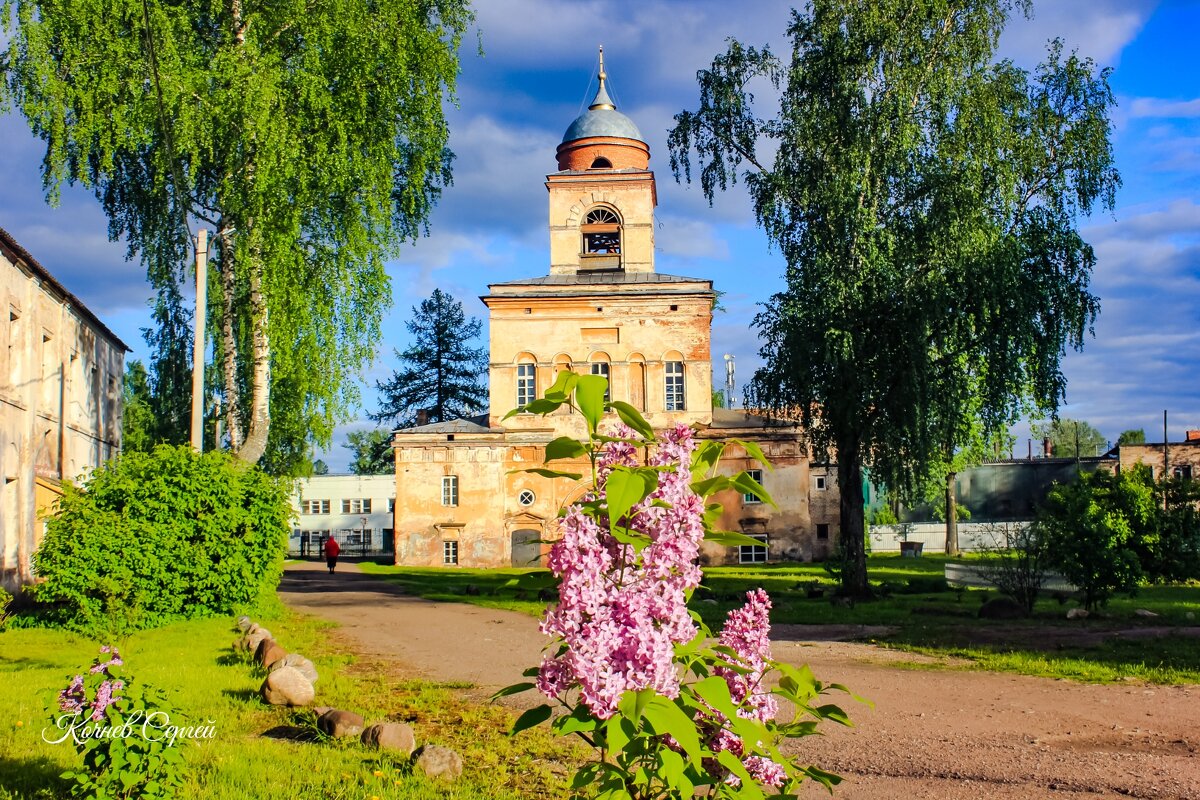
(1158, 108)
(685, 237)
(1099, 29)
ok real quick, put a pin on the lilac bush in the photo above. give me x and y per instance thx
(116, 724)
(631, 669)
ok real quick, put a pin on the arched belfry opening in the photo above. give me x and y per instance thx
(601, 163)
(601, 240)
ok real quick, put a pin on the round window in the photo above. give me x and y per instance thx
(526, 497)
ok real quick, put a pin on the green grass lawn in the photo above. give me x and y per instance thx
(193, 661)
(925, 615)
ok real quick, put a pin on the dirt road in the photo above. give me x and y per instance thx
(945, 734)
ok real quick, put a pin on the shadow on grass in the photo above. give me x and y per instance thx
(245, 695)
(292, 733)
(31, 777)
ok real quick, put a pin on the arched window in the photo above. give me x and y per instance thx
(601, 163)
(526, 380)
(673, 383)
(601, 231)
(637, 381)
(599, 366)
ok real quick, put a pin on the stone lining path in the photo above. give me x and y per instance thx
(944, 734)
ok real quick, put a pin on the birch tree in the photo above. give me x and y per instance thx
(925, 198)
(309, 136)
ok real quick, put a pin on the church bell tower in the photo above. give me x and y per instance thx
(602, 198)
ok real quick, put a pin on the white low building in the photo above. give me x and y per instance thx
(356, 510)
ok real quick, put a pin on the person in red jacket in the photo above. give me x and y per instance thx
(332, 551)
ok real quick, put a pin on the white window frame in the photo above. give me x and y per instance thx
(601, 368)
(450, 490)
(521, 497)
(747, 498)
(314, 507)
(526, 383)
(356, 505)
(754, 554)
(450, 552)
(821, 484)
(674, 395)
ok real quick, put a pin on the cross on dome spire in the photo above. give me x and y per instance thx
(602, 100)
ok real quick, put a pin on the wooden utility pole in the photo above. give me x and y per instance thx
(198, 340)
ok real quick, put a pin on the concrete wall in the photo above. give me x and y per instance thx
(971, 535)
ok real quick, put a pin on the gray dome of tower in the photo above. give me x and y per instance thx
(602, 118)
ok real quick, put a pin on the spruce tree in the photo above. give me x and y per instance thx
(440, 372)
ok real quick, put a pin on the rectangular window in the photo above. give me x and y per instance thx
(391, 505)
(822, 530)
(450, 551)
(753, 554)
(674, 386)
(820, 483)
(747, 498)
(50, 384)
(526, 383)
(315, 507)
(450, 491)
(1182, 471)
(356, 505)
(601, 369)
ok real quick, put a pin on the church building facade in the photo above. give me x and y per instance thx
(461, 498)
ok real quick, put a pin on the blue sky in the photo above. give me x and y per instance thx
(539, 59)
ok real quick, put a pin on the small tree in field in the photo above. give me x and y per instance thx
(441, 371)
(1094, 529)
(1016, 562)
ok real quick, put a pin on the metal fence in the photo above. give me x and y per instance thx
(354, 543)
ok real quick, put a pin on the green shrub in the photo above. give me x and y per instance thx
(5, 599)
(1095, 528)
(163, 535)
(925, 585)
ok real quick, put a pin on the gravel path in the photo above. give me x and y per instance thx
(932, 733)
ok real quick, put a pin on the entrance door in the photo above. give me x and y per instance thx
(526, 549)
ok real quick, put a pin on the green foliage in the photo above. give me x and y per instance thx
(170, 344)
(157, 536)
(5, 600)
(1095, 529)
(926, 199)
(138, 425)
(372, 452)
(314, 144)
(1175, 554)
(1072, 438)
(441, 371)
(140, 757)
(1132, 436)
(319, 467)
(884, 515)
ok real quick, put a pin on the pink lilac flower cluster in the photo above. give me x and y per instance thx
(747, 633)
(620, 612)
(105, 697)
(115, 661)
(73, 699)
